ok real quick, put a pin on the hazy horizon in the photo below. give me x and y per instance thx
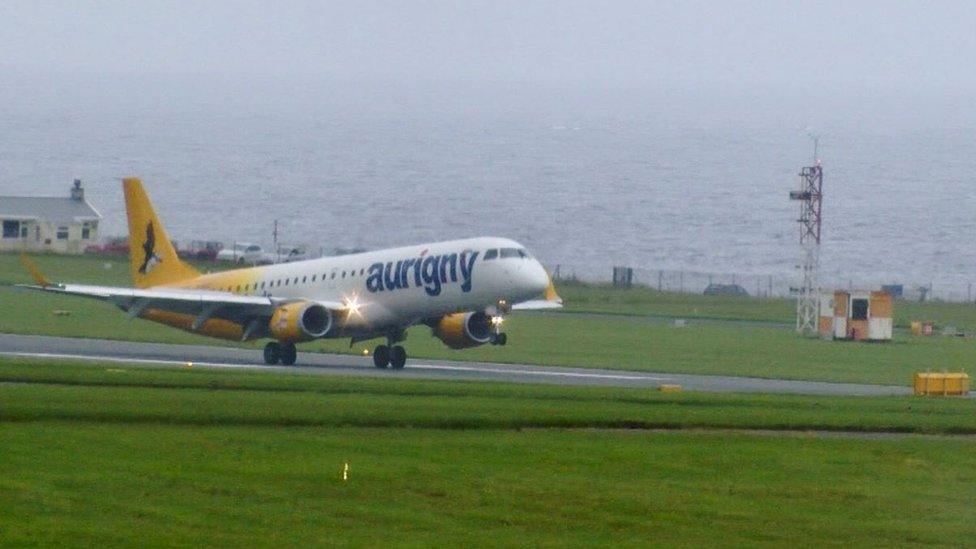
(696, 63)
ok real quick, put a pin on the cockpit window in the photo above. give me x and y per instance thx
(491, 254)
(510, 252)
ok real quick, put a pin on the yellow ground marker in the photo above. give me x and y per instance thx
(941, 384)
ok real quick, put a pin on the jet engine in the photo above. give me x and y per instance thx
(300, 321)
(462, 330)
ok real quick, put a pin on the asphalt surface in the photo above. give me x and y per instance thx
(159, 354)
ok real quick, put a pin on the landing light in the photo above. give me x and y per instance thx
(497, 320)
(352, 305)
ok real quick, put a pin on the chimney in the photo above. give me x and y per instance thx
(77, 193)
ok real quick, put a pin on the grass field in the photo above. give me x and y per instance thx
(111, 456)
(620, 341)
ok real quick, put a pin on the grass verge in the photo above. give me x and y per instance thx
(40, 391)
(123, 456)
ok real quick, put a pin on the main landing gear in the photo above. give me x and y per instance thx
(283, 352)
(394, 356)
(391, 354)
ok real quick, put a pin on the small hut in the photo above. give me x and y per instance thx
(859, 315)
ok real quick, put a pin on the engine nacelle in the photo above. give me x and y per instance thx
(462, 330)
(300, 321)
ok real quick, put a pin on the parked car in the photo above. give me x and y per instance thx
(201, 250)
(110, 246)
(287, 254)
(726, 289)
(242, 253)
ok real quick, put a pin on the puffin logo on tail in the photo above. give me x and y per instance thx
(150, 260)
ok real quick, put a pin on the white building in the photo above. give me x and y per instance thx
(48, 223)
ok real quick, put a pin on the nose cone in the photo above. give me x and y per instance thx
(535, 279)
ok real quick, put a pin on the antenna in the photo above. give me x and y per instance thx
(810, 197)
(274, 235)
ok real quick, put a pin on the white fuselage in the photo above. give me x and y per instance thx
(398, 287)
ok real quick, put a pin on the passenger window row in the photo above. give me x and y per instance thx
(277, 283)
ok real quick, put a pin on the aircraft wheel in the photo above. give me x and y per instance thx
(272, 352)
(501, 339)
(288, 354)
(398, 357)
(381, 356)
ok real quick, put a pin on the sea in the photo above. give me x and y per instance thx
(582, 193)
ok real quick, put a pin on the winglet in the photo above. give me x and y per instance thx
(34, 271)
(551, 294)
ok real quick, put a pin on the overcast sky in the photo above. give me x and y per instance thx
(901, 50)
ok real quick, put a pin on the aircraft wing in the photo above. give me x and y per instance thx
(203, 304)
(121, 296)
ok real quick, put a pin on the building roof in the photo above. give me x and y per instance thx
(47, 208)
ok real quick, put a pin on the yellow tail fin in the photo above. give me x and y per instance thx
(152, 259)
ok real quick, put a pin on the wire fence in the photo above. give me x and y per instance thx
(752, 285)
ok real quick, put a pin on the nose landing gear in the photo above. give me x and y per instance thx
(497, 312)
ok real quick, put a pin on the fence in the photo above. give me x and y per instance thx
(766, 286)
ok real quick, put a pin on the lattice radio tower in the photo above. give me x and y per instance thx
(810, 197)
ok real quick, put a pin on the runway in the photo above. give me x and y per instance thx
(162, 355)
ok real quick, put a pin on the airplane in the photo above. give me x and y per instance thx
(461, 289)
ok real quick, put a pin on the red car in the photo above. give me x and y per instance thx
(110, 246)
(200, 250)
